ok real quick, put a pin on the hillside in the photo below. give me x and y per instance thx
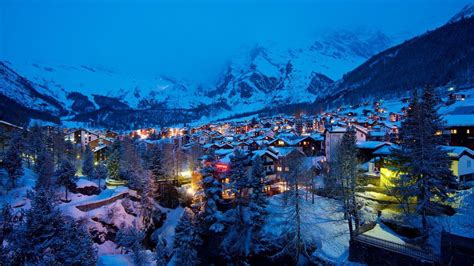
(442, 57)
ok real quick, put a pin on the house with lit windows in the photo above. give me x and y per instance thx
(460, 130)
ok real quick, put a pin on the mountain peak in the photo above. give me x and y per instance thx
(466, 12)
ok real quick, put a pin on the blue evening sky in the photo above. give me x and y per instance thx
(192, 39)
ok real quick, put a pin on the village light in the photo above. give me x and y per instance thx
(186, 173)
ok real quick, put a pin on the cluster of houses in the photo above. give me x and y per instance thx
(311, 139)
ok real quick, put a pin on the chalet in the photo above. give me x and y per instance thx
(460, 130)
(269, 160)
(362, 133)
(81, 137)
(285, 155)
(395, 117)
(457, 97)
(366, 149)
(310, 145)
(462, 164)
(332, 138)
(378, 135)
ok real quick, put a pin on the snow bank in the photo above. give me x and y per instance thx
(385, 233)
(82, 183)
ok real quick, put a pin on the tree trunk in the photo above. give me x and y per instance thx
(65, 188)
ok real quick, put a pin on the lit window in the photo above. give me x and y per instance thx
(454, 131)
(287, 169)
(468, 131)
(279, 168)
(438, 133)
(280, 142)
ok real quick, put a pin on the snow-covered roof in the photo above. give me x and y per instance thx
(458, 151)
(371, 144)
(459, 120)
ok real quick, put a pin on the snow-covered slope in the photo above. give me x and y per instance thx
(134, 91)
(271, 74)
(26, 93)
(466, 12)
(258, 77)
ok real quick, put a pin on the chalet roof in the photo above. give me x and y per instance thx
(385, 150)
(284, 151)
(377, 133)
(463, 120)
(456, 152)
(264, 152)
(10, 124)
(371, 145)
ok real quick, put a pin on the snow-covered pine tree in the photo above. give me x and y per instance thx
(66, 175)
(44, 166)
(156, 167)
(113, 160)
(35, 143)
(36, 236)
(244, 221)
(421, 159)
(187, 240)
(6, 228)
(88, 163)
(100, 172)
(131, 166)
(161, 252)
(76, 246)
(238, 176)
(131, 239)
(211, 187)
(12, 160)
(258, 201)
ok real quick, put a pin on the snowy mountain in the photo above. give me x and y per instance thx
(20, 98)
(271, 75)
(262, 76)
(442, 57)
(466, 12)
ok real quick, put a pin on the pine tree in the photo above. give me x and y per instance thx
(45, 169)
(100, 172)
(66, 175)
(212, 195)
(77, 247)
(258, 200)
(45, 237)
(113, 160)
(161, 252)
(88, 163)
(131, 239)
(238, 175)
(425, 166)
(155, 164)
(13, 161)
(187, 240)
(37, 235)
(244, 221)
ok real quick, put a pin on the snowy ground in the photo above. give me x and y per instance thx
(322, 222)
(17, 197)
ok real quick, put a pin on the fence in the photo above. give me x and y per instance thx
(97, 204)
(404, 249)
